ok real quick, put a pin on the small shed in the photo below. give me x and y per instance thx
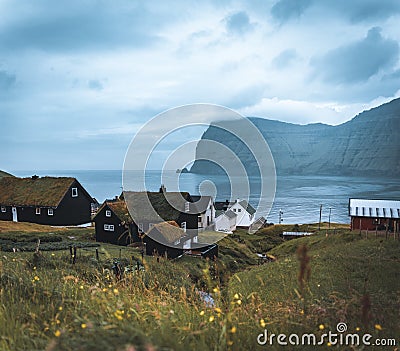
(292, 235)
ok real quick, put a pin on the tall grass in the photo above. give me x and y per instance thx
(48, 303)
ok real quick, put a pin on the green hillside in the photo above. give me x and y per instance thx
(351, 279)
(5, 174)
(50, 303)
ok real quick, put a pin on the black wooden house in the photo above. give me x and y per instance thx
(44, 200)
(173, 230)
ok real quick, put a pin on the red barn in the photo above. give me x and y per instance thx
(374, 214)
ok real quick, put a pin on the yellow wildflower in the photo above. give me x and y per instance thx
(118, 315)
(321, 327)
(60, 308)
(83, 326)
(57, 333)
(236, 296)
(201, 313)
(262, 323)
(239, 302)
(378, 327)
(211, 319)
(218, 310)
(233, 330)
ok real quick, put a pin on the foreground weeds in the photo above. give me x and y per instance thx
(48, 303)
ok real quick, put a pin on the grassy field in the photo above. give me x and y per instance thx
(49, 303)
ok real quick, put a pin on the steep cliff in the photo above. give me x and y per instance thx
(369, 144)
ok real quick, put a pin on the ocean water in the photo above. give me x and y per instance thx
(297, 197)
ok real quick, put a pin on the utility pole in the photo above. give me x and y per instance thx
(320, 217)
(329, 221)
(280, 216)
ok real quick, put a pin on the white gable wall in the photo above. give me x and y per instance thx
(223, 222)
(243, 219)
(207, 217)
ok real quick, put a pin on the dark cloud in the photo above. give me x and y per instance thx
(354, 11)
(392, 76)
(364, 10)
(95, 85)
(238, 23)
(284, 59)
(7, 80)
(285, 10)
(84, 26)
(358, 61)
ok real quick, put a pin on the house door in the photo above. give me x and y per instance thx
(14, 213)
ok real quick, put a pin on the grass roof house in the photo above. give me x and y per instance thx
(44, 200)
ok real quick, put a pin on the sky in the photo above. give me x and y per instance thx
(79, 78)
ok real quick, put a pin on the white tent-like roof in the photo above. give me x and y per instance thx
(374, 208)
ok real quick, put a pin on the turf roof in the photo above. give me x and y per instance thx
(166, 231)
(160, 203)
(40, 192)
(120, 209)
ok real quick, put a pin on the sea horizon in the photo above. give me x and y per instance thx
(297, 198)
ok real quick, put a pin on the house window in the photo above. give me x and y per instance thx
(140, 226)
(187, 207)
(109, 227)
(199, 219)
(37, 211)
(239, 210)
(234, 210)
(50, 212)
(183, 226)
(108, 213)
(3, 209)
(151, 225)
(74, 192)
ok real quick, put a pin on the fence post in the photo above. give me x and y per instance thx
(97, 254)
(74, 256)
(37, 246)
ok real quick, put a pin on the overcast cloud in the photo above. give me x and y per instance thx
(78, 79)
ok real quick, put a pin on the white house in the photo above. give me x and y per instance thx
(204, 206)
(245, 213)
(241, 208)
(226, 222)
